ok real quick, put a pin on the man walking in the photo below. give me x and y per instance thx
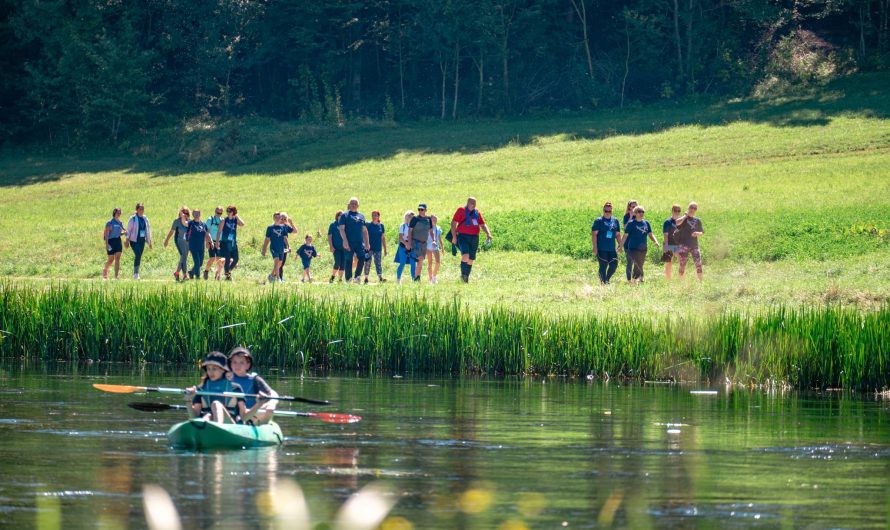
(689, 230)
(355, 239)
(465, 226)
(604, 234)
(418, 233)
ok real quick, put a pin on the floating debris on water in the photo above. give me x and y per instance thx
(703, 392)
(234, 325)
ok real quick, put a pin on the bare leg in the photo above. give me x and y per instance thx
(107, 265)
(117, 265)
(220, 414)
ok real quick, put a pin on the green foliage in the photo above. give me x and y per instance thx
(827, 347)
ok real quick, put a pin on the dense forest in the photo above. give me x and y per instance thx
(98, 70)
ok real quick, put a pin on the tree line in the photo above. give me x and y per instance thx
(87, 70)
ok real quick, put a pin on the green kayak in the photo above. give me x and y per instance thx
(203, 434)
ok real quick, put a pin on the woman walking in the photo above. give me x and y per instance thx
(112, 238)
(227, 240)
(635, 234)
(404, 255)
(671, 247)
(335, 245)
(180, 227)
(689, 230)
(377, 241)
(215, 260)
(198, 238)
(433, 247)
(138, 235)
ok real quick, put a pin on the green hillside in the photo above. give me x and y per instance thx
(794, 196)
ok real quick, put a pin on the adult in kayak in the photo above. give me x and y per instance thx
(689, 230)
(114, 228)
(671, 247)
(604, 234)
(214, 259)
(198, 238)
(355, 239)
(465, 226)
(335, 245)
(635, 234)
(138, 235)
(418, 235)
(259, 410)
(180, 227)
(227, 240)
(220, 409)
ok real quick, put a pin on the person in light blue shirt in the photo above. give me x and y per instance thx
(114, 229)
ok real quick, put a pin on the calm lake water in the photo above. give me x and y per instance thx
(464, 453)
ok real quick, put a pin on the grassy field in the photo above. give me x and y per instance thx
(794, 195)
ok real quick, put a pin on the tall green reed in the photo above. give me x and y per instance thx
(804, 347)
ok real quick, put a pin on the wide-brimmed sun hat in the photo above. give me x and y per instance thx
(216, 358)
(241, 350)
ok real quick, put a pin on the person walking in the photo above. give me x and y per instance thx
(671, 248)
(114, 228)
(355, 239)
(276, 235)
(198, 236)
(307, 252)
(689, 230)
(628, 217)
(227, 240)
(403, 255)
(433, 249)
(465, 226)
(635, 234)
(215, 260)
(282, 219)
(138, 235)
(335, 244)
(377, 241)
(418, 234)
(180, 227)
(604, 234)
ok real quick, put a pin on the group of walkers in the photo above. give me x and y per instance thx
(680, 233)
(353, 242)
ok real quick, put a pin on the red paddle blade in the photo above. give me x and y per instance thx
(119, 389)
(333, 417)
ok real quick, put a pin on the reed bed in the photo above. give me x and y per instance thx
(803, 347)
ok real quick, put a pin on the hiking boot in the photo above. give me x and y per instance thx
(464, 278)
(332, 279)
(417, 278)
(366, 281)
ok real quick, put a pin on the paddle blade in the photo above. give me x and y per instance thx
(332, 417)
(119, 389)
(154, 407)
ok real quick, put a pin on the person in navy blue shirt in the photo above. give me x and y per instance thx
(604, 234)
(628, 217)
(198, 236)
(377, 242)
(670, 245)
(355, 239)
(227, 240)
(335, 245)
(637, 231)
(307, 252)
(114, 229)
(276, 238)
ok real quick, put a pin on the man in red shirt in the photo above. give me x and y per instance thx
(465, 226)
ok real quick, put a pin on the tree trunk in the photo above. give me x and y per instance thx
(862, 7)
(677, 38)
(456, 78)
(480, 66)
(401, 62)
(689, 63)
(581, 10)
(506, 68)
(626, 61)
(443, 67)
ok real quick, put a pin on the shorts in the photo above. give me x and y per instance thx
(468, 244)
(419, 248)
(306, 262)
(114, 246)
(213, 250)
(339, 258)
(229, 249)
(673, 248)
(277, 254)
(696, 257)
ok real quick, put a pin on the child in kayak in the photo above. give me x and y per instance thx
(220, 409)
(259, 410)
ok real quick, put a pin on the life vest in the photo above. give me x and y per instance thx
(220, 385)
(248, 386)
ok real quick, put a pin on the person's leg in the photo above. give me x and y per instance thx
(669, 269)
(629, 264)
(281, 267)
(196, 268)
(182, 247)
(612, 265)
(276, 267)
(107, 265)
(367, 270)
(359, 266)
(235, 258)
(378, 265)
(347, 264)
(429, 268)
(138, 247)
(696, 258)
(220, 414)
(602, 261)
(684, 258)
(117, 264)
(639, 263)
(438, 259)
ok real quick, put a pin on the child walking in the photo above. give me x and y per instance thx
(306, 253)
(114, 229)
(433, 247)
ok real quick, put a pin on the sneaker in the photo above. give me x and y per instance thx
(136, 276)
(280, 280)
(366, 281)
(382, 279)
(417, 278)
(332, 279)
(464, 278)
(302, 280)
(176, 275)
(270, 278)
(228, 276)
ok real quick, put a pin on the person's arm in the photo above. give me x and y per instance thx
(105, 234)
(654, 239)
(680, 221)
(454, 232)
(666, 237)
(239, 221)
(169, 235)
(330, 242)
(383, 242)
(619, 240)
(441, 244)
(594, 232)
(208, 239)
(487, 232)
(342, 229)
(292, 225)
(148, 233)
(265, 246)
(365, 237)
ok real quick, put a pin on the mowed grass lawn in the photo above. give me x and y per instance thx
(794, 195)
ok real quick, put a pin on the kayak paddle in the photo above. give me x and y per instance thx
(126, 389)
(328, 417)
